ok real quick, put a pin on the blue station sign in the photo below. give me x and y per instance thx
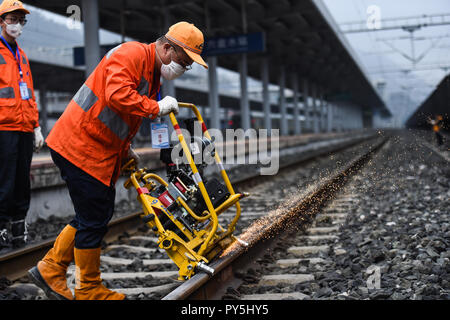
(241, 43)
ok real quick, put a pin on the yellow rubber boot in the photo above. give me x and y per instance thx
(50, 272)
(87, 276)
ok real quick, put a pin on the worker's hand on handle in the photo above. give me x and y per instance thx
(167, 105)
(133, 155)
(38, 139)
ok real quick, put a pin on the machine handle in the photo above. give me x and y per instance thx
(205, 195)
(189, 106)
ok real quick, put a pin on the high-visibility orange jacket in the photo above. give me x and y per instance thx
(16, 114)
(95, 131)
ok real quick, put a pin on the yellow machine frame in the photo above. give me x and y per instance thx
(204, 244)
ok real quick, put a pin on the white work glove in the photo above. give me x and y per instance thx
(133, 155)
(38, 139)
(167, 105)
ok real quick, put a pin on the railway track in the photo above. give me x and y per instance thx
(296, 256)
(135, 267)
(262, 236)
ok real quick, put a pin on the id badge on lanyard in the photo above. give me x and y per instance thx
(24, 90)
(160, 135)
(24, 93)
(159, 132)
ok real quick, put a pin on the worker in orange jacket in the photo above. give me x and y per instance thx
(92, 139)
(19, 126)
(436, 124)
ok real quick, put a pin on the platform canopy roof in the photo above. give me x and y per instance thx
(300, 35)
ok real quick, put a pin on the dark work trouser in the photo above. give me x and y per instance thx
(16, 152)
(439, 138)
(92, 200)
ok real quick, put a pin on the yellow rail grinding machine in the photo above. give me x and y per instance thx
(183, 211)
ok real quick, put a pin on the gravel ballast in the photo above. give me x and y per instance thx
(395, 241)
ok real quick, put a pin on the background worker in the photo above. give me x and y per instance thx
(436, 126)
(91, 140)
(19, 126)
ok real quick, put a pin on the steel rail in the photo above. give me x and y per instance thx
(15, 264)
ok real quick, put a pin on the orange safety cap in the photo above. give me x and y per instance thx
(12, 5)
(190, 38)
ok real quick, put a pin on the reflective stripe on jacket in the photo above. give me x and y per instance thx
(16, 114)
(95, 131)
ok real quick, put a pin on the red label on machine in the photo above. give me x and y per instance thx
(180, 187)
(166, 199)
(142, 190)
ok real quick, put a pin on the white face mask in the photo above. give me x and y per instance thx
(172, 70)
(14, 30)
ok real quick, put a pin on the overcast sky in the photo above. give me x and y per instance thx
(381, 60)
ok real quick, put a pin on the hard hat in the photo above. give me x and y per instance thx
(190, 38)
(12, 5)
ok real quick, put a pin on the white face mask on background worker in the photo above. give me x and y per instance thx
(14, 30)
(13, 25)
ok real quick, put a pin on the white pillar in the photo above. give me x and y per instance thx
(329, 117)
(245, 105)
(315, 113)
(91, 36)
(168, 86)
(284, 123)
(297, 127)
(339, 118)
(265, 94)
(213, 93)
(322, 111)
(243, 70)
(306, 101)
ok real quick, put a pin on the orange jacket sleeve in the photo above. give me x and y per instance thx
(124, 71)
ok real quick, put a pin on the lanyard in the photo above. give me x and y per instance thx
(158, 95)
(16, 55)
